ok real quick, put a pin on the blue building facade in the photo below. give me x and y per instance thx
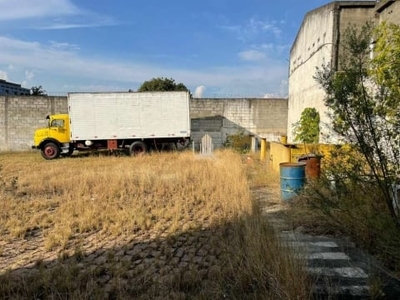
(12, 89)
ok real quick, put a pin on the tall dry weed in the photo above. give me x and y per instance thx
(167, 192)
(157, 195)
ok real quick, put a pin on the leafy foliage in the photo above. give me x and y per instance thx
(307, 129)
(38, 91)
(347, 200)
(386, 64)
(362, 99)
(161, 84)
(239, 141)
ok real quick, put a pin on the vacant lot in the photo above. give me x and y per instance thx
(172, 225)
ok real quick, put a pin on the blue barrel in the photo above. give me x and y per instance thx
(292, 179)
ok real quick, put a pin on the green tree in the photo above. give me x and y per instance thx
(161, 84)
(386, 64)
(306, 130)
(38, 91)
(363, 99)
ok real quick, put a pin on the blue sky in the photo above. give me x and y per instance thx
(215, 47)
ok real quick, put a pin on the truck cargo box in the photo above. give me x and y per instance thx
(129, 115)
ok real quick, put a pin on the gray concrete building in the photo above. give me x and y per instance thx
(388, 11)
(318, 41)
(10, 88)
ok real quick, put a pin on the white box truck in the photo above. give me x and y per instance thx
(116, 121)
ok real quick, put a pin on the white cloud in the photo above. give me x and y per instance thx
(268, 26)
(269, 96)
(28, 75)
(63, 46)
(275, 48)
(93, 87)
(3, 75)
(56, 26)
(282, 91)
(268, 47)
(283, 88)
(50, 15)
(199, 92)
(63, 66)
(24, 9)
(252, 55)
(254, 27)
(264, 52)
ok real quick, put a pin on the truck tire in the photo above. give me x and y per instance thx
(137, 148)
(50, 151)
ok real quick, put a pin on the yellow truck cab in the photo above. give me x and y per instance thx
(54, 140)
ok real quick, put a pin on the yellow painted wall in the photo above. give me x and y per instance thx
(279, 153)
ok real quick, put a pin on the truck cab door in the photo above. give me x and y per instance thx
(58, 130)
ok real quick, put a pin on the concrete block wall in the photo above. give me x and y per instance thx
(267, 118)
(264, 118)
(21, 115)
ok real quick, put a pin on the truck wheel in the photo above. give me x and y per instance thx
(137, 148)
(50, 151)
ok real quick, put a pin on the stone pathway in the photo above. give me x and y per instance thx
(155, 262)
(339, 269)
(329, 262)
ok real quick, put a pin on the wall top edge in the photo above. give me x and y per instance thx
(380, 6)
(334, 5)
(238, 99)
(211, 99)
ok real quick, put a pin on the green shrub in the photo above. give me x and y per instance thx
(239, 141)
(347, 200)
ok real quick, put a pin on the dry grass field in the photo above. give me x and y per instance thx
(159, 226)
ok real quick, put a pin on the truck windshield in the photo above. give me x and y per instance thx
(57, 123)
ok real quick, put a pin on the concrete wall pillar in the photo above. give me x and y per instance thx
(254, 144)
